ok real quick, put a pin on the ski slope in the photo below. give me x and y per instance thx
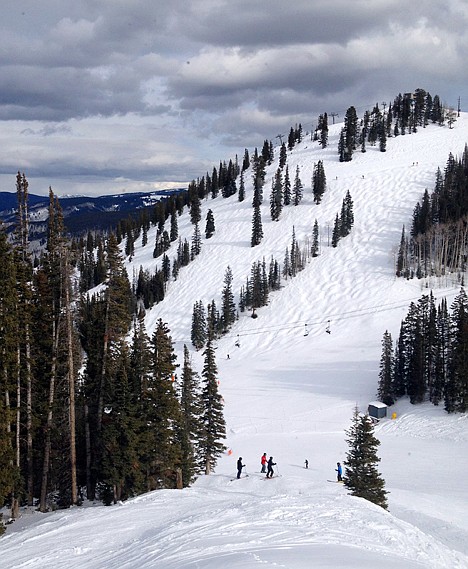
(292, 395)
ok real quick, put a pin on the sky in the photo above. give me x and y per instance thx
(99, 96)
(292, 394)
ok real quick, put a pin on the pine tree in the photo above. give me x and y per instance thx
(257, 228)
(298, 188)
(213, 423)
(314, 250)
(361, 476)
(386, 373)
(9, 468)
(174, 234)
(336, 234)
(282, 156)
(190, 402)
(241, 194)
(199, 331)
(350, 134)
(194, 204)
(324, 130)
(276, 196)
(210, 225)
(162, 413)
(436, 388)
(287, 187)
(456, 388)
(228, 306)
(196, 242)
(319, 182)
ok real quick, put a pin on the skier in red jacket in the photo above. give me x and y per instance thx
(263, 462)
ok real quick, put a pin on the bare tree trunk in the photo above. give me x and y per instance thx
(71, 386)
(104, 367)
(50, 416)
(89, 485)
(29, 420)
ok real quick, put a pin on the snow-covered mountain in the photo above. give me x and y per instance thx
(289, 390)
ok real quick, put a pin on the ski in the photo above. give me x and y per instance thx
(336, 481)
(245, 476)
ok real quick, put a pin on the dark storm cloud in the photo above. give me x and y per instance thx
(207, 76)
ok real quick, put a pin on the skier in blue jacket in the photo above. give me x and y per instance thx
(339, 472)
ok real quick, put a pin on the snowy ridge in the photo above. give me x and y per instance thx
(292, 395)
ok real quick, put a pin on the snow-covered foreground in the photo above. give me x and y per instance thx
(292, 396)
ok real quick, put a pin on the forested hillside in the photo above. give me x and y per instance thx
(101, 398)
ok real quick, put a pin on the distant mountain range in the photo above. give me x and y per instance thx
(81, 213)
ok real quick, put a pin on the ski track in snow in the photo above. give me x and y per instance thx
(292, 395)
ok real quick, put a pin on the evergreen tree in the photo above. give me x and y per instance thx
(402, 258)
(276, 196)
(362, 477)
(174, 234)
(319, 182)
(210, 225)
(241, 194)
(298, 188)
(194, 204)
(282, 156)
(246, 160)
(347, 215)
(342, 146)
(456, 389)
(9, 468)
(386, 373)
(199, 331)
(190, 402)
(436, 388)
(213, 423)
(350, 134)
(324, 130)
(336, 234)
(287, 187)
(196, 242)
(228, 306)
(162, 413)
(257, 228)
(314, 251)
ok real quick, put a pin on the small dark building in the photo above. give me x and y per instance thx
(377, 410)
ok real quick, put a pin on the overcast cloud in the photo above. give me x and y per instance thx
(101, 96)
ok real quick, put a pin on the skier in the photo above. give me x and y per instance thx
(306, 462)
(240, 466)
(263, 462)
(270, 468)
(339, 472)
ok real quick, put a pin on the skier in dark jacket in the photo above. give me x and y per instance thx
(240, 466)
(270, 468)
(339, 472)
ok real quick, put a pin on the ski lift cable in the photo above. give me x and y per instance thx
(324, 320)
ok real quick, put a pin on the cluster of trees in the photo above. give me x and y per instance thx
(430, 358)
(321, 132)
(211, 320)
(254, 294)
(282, 194)
(344, 221)
(407, 112)
(438, 240)
(83, 410)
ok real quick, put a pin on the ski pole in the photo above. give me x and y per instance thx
(277, 471)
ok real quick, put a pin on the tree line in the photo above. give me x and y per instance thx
(91, 406)
(429, 360)
(438, 239)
